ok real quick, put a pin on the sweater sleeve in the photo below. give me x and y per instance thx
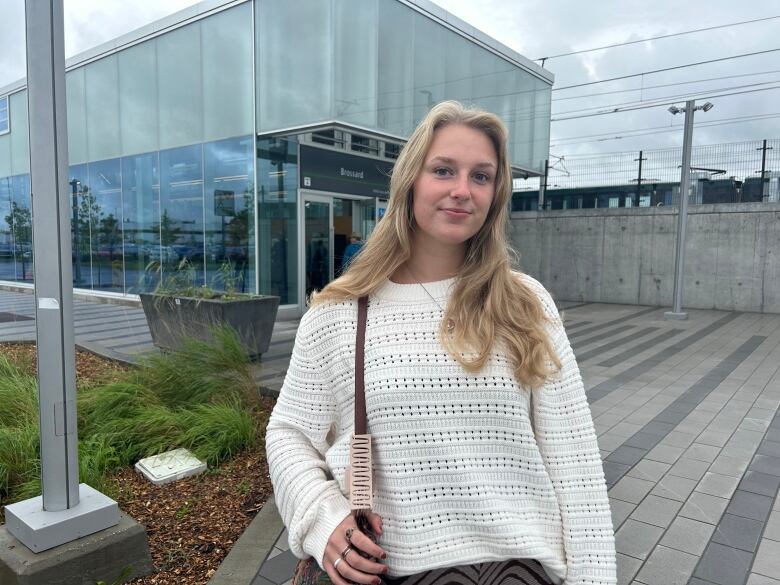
(567, 441)
(297, 437)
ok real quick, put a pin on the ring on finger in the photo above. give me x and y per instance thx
(336, 563)
(345, 552)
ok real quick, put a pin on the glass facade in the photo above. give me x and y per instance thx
(166, 168)
(387, 77)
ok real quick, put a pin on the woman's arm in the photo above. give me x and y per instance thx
(310, 503)
(567, 441)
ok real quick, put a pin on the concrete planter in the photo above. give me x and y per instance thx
(172, 319)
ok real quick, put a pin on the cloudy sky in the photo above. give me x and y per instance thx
(537, 28)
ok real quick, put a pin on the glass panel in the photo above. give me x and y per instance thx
(107, 263)
(459, 68)
(180, 87)
(294, 78)
(19, 223)
(141, 211)
(277, 219)
(4, 126)
(542, 112)
(317, 242)
(138, 98)
(7, 256)
(355, 61)
(20, 143)
(229, 203)
(181, 210)
(522, 123)
(396, 66)
(83, 211)
(429, 66)
(102, 91)
(5, 155)
(76, 102)
(227, 73)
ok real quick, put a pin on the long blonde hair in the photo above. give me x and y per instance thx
(488, 303)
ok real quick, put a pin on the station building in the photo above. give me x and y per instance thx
(252, 137)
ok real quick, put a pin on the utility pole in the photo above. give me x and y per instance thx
(543, 183)
(66, 510)
(764, 190)
(639, 181)
(682, 216)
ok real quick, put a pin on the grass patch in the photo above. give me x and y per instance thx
(202, 397)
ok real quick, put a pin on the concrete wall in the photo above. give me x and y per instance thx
(626, 255)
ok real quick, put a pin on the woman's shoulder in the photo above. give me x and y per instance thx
(537, 288)
(326, 313)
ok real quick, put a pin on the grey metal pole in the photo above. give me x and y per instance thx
(682, 216)
(764, 190)
(52, 254)
(70, 510)
(543, 184)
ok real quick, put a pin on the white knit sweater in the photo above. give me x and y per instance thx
(460, 476)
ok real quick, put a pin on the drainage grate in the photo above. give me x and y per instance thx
(10, 317)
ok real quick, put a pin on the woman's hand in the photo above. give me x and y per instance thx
(353, 568)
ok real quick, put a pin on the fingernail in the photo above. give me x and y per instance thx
(384, 555)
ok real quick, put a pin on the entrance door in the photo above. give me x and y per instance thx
(317, 242)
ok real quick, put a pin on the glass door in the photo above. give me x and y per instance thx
(317, 242)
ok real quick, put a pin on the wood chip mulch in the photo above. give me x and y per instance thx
(193, 523)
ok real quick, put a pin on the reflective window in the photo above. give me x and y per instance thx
(277, 242)
(396, 64)
(102, 99)
(20, 144)
(355, 61)
(228, 74)
(5, 126)
(229, 203)
(429, 65)
(7, 252)
(16, 257)
(76, 104)
(83, 211)
(179, 71)
(181, 211)
(141, 213)
(138, 98)
(106, 216)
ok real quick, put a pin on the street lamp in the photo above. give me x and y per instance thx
(682, 215)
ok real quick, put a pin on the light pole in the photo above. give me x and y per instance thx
(682, 215)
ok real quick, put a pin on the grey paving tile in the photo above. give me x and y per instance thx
(649, 470)
(626, 568)
(680, 439)
(714, 437)
(674, 487)
(697, 581)
(280, 568)
(642, 440)
(704, 507)
(690, 536)
(627, 455)
(725, 465)
(631, 489)
(750, 505)
(767, 561)
(667, 566)
(716, 484)
(637, 539)
(659, 428)
(724, 565)
(620, 511)
(260, 580)
(765, 464)
(614, 471)
(690, 468)
(771, 448)
(760, 483)
(656, 511)
(665, 453)
(738, 532)
(772, 529)
(702, 452)
(283, 542)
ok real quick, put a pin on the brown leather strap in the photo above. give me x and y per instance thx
(360, 384)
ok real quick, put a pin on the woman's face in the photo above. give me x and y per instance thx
(455, 187)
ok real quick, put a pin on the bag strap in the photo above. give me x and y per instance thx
(360, 386)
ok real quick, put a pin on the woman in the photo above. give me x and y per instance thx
(485, 457)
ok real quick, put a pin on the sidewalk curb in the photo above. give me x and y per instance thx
(250, 551)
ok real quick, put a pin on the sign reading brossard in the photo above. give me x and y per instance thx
(338, 172)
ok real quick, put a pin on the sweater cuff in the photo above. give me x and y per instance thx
(331, 513)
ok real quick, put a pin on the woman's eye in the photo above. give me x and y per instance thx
(441, 171)
(482, 177)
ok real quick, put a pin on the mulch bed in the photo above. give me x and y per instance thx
(192, 523)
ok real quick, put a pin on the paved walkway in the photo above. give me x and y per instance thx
(687, 418)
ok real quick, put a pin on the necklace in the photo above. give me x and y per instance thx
(450, 322)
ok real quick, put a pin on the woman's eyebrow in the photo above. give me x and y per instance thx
(450, 161)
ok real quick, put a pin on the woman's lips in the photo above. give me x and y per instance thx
(456, 212)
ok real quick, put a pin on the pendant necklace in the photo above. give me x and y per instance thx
(450, 322)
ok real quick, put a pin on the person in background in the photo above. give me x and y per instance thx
(355, 244)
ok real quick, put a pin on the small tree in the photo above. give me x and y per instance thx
(20, 223)
(168, 233)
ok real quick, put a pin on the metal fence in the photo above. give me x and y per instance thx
(720, 173)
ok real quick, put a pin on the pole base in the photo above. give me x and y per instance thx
(673, 316)
(113, 555)
(40, 530)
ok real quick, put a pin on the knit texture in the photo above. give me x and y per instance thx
(460, 473)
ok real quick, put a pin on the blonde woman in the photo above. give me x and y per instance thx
(486, 467)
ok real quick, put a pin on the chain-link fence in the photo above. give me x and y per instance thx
(720, 173)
